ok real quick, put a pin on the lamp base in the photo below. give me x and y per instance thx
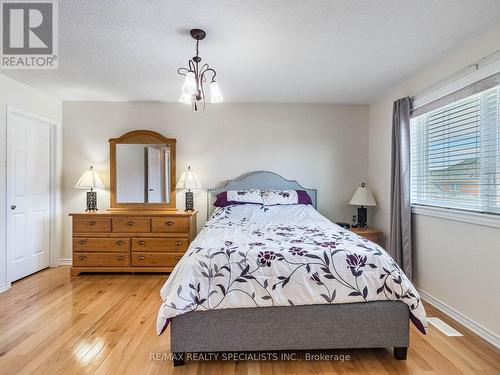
(362, 217)
(189, 201)
(91, 201)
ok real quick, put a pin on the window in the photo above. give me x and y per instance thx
(455, 154)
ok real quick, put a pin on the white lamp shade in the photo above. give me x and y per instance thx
(215, 94)
(363, 197)
(90, 180)
(188, 89)
(188, 180)
(189, 85)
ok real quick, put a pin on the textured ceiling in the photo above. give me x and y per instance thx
(320, 51)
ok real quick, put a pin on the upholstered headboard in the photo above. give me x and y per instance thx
(259, 180)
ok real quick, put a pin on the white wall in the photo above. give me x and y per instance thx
(455, 262)
(21, 96)
(322, 146)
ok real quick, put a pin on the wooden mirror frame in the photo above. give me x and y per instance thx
(141, 137)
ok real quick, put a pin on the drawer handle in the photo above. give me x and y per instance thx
(120, 257)
(82, 257)
(120, 242)
(130, 223)
(82, 242)
(178, 243)
(141, 257)
(177, 258)
(92, 223)
(169, 223)
(141, 242)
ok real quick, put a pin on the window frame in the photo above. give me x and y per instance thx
(489, 219)
(464, 216)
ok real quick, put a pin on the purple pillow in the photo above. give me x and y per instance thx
(303, 197)
(222, 201)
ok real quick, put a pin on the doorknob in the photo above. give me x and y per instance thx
(13, 206)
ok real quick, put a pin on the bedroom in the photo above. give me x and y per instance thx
(312, 100)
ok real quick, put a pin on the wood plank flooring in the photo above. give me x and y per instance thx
(51, 323)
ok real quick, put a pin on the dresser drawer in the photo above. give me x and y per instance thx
(83, 244)
(131, 224)
(91, 225)
(101, 259)
(170, 224)
(155, 259)
(171, 244)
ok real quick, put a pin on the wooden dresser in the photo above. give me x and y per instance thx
(130, 241)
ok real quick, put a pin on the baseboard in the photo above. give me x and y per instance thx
(462, 319)
(66, 262)
(4, 287)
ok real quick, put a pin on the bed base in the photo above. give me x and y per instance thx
(379, 324)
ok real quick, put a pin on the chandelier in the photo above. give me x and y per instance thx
(193, 89)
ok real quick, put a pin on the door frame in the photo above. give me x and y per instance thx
(55, 222)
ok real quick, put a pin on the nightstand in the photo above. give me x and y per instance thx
(371, 234)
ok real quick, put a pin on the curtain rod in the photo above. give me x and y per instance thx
(485, 60)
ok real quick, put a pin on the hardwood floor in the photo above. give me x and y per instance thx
(51, 323)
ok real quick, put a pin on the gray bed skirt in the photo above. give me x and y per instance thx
(378, 324)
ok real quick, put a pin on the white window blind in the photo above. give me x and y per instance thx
(455, 154)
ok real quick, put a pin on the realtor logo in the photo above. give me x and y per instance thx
(29, 34)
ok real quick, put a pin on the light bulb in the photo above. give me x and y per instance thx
(215, 94)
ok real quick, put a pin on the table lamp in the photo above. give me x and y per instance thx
(90, 180)
(189, 181)
(362, 197)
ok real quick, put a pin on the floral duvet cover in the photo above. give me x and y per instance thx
(259, 256)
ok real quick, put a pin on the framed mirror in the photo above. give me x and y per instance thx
(142, 171)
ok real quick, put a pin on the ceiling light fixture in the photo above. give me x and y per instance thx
(193, 90)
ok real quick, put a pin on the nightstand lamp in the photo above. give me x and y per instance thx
(90, 180)
(189, 181)
(362, 197)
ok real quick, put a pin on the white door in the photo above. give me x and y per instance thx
(154, 175)
(28, 195)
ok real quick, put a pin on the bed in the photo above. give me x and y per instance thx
(284, 278)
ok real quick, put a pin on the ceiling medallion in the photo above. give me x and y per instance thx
(193, 89)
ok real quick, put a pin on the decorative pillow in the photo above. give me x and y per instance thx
(275, 197)
(229, 197)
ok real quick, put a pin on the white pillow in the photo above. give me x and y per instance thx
(245, 196)
(274, 197)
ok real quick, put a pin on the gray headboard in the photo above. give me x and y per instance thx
(259, 180)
